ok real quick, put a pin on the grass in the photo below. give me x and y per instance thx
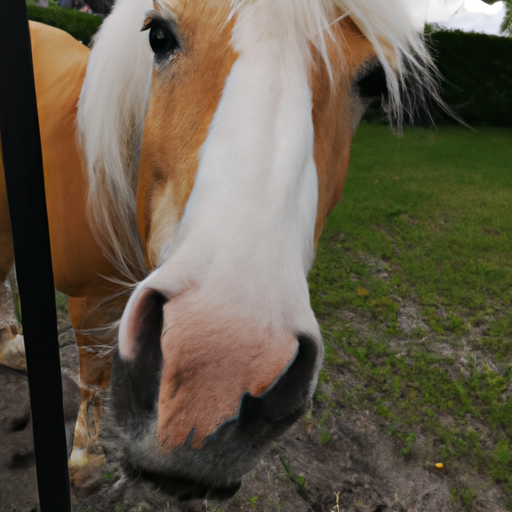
(413, 289)
(61, 301)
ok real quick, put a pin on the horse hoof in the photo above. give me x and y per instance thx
(12, 353)
(86, 473)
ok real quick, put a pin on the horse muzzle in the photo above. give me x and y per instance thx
(211, 465)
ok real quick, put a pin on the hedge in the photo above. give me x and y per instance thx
(476, 80)
(477, 76)
(80, 25)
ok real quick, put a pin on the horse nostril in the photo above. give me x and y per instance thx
(286, 398)
(146, 321)
(136, 380)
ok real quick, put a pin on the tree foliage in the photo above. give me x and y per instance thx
(506, 25)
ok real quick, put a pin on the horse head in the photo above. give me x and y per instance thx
(217, 135)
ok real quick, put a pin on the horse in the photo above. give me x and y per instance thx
(191, 159)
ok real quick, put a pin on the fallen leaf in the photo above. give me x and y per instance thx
(362, 292)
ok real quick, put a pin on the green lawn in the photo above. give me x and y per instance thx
(413, 289)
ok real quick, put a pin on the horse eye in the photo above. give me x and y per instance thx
(162, 40)
(372, 84)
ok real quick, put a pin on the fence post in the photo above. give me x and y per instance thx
(21, 147)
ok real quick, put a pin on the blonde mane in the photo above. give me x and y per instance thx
(116, 92)
(111, 113)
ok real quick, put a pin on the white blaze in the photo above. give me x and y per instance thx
(247, 234)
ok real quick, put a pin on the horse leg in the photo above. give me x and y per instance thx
(12, 350)
(90, 318)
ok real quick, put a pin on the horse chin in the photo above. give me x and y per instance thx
(214, 470)
(188, 489)
(185, 472)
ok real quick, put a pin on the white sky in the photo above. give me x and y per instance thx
(469, 15)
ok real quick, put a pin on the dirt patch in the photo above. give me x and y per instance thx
(357, 468)
(18, 486)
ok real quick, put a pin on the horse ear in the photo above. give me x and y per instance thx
(158, 6)
(111, 113)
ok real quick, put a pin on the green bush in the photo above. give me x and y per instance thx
(80, 25)
(476, 71)
(477, 76)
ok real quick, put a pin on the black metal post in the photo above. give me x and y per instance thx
(21, 148)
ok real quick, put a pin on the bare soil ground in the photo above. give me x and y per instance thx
(358, 468)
